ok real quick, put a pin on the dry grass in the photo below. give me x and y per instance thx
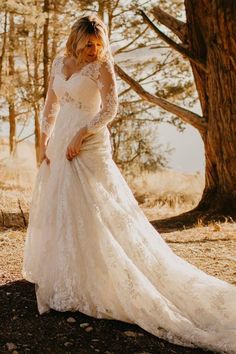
(211, 248)
(167, 193)
(17, 176)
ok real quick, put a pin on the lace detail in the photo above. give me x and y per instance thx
(104, 75)
(67, 99)
(51, 106)
(48, 122)
(57, 65)
(92, 70)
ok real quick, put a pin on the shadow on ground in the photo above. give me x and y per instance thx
(23, 330)
(188, 220)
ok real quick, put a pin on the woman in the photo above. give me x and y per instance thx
(89, 247)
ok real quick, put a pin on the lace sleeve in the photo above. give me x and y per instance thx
(108, 91)
(51, 105)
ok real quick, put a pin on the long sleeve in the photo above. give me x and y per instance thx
(51, 105)
(108, 90)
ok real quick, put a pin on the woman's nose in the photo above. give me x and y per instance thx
(93, 49)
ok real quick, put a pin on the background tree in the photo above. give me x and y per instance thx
(207, 40)
(39, 37)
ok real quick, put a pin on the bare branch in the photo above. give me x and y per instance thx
(176, 26)
(26, 137)
(141, 80)
(187, 116)
(178, 47)
(120, 50)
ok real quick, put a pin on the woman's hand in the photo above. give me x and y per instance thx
(42, 153)
(74, 147)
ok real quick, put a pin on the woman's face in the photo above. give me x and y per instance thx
(92, 49)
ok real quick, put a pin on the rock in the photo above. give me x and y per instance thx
(130, 334)
(97, 350)
(88, 329)
(11, 346)
(216, 227)
(15, 352)
(83, 325)
(95, 340)
(71, 320)
(68, 344)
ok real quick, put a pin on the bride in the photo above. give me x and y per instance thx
(89, 247)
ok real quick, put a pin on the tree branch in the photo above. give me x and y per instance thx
(176, 26)
(178, 47)
(187, 116)
(26, 137)
(120, 50)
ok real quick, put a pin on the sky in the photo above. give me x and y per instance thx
(188, 155)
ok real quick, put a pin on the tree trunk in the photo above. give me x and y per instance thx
(3, 48)
(12, 127)
(45, 48)
(211, 26)
(101, 9)
(11, 98)
(37, 130)
(36, 96)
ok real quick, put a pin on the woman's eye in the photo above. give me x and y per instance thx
(90, 45)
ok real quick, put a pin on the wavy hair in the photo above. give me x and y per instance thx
(81, 30)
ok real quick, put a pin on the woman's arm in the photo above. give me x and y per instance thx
(51, 107)
(108, 91)
(50, 111)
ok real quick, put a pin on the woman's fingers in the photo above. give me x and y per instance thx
(71, 152)
(41, 159)
(47, 159)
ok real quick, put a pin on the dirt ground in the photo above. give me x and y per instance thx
(23, 330)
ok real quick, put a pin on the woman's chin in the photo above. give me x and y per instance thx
(90, 59)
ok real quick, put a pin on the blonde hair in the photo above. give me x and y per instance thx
(81, 30)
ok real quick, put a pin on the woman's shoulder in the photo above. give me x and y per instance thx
(98, 69)
(57, 64)
(104, 66)
(58, 60)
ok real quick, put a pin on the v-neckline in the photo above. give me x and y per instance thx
(73, 74)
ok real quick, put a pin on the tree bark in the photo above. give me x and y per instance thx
(37, 130)
(45, 48)
(177, 27)
(211, 27)
(3, 48)
(11, 98)
(210, 46)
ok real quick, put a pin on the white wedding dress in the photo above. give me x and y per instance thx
(90, 248)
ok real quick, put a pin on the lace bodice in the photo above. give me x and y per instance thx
(92, 89)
